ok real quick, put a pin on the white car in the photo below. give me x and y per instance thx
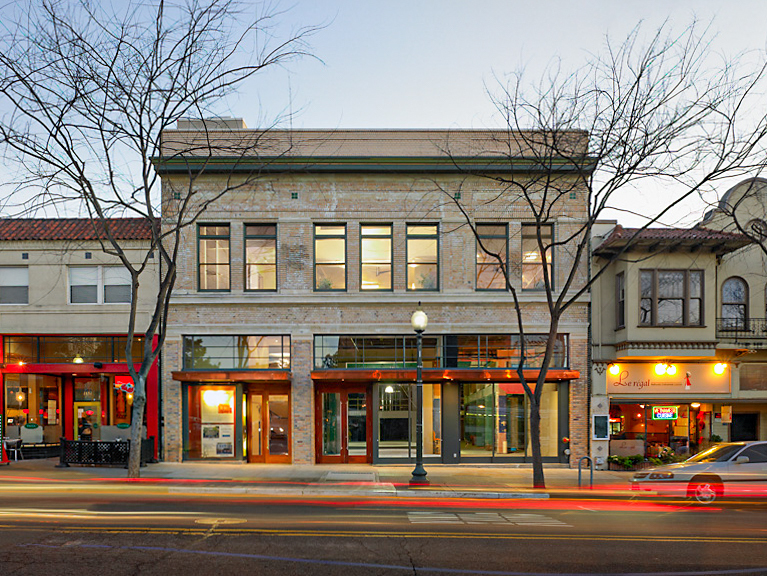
(728, 469)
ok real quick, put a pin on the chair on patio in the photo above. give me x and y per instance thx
(13, 446)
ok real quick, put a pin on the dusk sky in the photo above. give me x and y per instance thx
(430, 64)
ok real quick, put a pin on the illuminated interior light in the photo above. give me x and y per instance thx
(614, 369)
(77, 359)
(671, 369)
(695, 404)
(719, 368)
(215, 397)
(21, 362)
(389, 389)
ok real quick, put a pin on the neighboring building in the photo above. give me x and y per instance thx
(64, 308)
(742, 305)
(667, 370)
(289, 335)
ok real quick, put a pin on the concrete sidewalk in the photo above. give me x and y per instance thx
(465, 481)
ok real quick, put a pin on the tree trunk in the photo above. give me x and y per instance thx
(535, 445)
(137, 427)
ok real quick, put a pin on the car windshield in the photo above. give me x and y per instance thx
(718, 453)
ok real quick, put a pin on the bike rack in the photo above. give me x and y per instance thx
(591, 466)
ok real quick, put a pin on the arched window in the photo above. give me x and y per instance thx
(734, 304)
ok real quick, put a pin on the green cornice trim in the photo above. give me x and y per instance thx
(313, 164)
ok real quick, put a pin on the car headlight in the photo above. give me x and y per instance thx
(661, 475)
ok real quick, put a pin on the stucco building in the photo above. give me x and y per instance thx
(289, 335)
(64, 307)
(678, 337)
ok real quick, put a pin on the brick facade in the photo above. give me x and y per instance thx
(296, 202)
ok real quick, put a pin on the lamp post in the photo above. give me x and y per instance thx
(419, 321)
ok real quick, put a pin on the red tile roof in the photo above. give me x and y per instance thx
(73, 229)
(670, 239)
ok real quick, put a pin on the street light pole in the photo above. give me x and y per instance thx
(419, 321)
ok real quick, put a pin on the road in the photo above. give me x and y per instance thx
(151, 530)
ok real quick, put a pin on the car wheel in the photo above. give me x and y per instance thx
(705, 490)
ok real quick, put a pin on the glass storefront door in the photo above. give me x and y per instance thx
(268, 425)
(397, 420)
(87, 417)
(343, 425)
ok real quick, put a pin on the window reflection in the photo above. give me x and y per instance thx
(248, 352)
(330, 257)
(492, 244)
(375, 257)
(397, 420)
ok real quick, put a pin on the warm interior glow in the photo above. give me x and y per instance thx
(215, 397)
(660, 369)
(389, 389)
(77, 359)
(614, 369)
(719, 368)
(695, 404)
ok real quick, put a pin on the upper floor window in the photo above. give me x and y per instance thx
(260, 257)
(329, 257)
(14, 285)
(671, 297)
(620, 300)
(213, 253)
(532, 258)
(422, 257)
(99, 285)
(492, 241)
(375, 256)
(734, 304)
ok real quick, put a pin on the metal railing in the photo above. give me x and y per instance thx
(738, 330)
(109, 453)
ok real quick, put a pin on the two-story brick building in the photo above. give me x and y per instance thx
(289, 335)
(64, 308)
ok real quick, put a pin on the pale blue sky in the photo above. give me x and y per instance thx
(429, 63)
(426, 63)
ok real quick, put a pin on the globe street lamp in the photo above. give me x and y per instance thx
(419, 321)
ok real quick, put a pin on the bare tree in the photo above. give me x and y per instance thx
(578, 145)
(89, 89)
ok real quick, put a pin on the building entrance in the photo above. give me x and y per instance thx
(343, 431)
(268, 425)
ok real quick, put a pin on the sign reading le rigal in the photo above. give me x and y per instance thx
(691, 379)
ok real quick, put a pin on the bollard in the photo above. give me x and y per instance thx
(591, 465)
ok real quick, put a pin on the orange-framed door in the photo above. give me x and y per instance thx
(343, 430)
(269, 426)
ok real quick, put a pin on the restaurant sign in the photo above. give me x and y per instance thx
(665, 412)
(689, 379)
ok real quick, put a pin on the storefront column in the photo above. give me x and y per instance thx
(451, 423)
(302, 397)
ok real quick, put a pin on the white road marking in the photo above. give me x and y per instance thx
(484, 518)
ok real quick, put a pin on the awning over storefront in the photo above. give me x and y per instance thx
(439, 375)
(255, 376)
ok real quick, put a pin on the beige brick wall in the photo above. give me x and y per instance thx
(297, 310)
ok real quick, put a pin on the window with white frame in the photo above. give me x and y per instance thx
(14, 285)
(99, 285)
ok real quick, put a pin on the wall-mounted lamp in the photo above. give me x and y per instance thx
(614, 369)
(77, 359)
(719, 368)
(662, 368)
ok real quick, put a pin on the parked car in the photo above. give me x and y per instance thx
(726, 469)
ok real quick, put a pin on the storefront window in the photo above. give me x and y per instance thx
(68, 349)
(494, 420)
(668, 432)
(211, 421)
(33, 407)
(397, 420)
(236, 352)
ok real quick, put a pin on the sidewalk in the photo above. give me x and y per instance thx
(465, 481)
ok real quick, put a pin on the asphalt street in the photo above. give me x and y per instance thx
(151, 530)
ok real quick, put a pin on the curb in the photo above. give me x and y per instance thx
(368, 493)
